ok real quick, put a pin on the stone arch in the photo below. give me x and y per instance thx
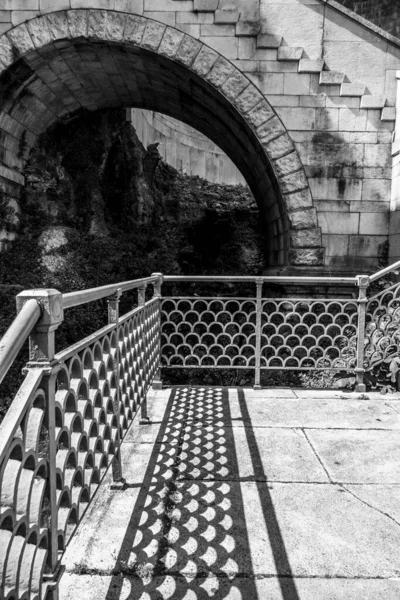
(55, 64)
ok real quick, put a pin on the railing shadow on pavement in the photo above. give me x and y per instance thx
(188, 534)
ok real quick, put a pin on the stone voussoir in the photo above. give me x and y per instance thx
(39, 31)
(134, 29)
(294, 181)
(188, 50)
(115, 25)
(234, 85)
(270, 130)
(310, 257)
(299, 200)
(21, 39)
(260, 114)
(58, 25)
(287, 164)
(303, 219)
(170, 42)
(204, 61)
(78, 22)
(153, 35)
(220, 72)
(97, 23)
(248, 99)
(306, 238)
(279, 147)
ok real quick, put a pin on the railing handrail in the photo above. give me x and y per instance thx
(390, 269)
(264, 278)
(16, 335)
(84, 296)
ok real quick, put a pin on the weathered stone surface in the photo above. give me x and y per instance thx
(115, 26)
(235, 84)
(298, 200)
(77, 20)
(294, 181)
(266, 40)
(220, 72)
(204, 61)
(153, 35)
(226, 16)
(58, 25)
(259, 115)
(205, 5)
(306, 257)
(248, 28)
(270, 130)
(170, 42)
(97, 23)
(303, 219)
(248, 99)
(39, 30)
(188, 50)
(288, 164)
(290, 53)
(306, 238)
(21, 39)
(279, 147)
(134, 29)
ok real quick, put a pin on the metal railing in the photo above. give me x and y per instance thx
(67, 420)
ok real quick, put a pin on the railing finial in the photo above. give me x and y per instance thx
(41, 341)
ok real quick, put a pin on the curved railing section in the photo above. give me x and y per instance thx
(65, 424)
(382, 328)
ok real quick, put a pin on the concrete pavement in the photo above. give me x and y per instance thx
(241, 494)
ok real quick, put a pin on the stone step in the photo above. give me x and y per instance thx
(307, 65)
(247, 28)
(373, 101)
(226, 17)
(267, 40)
(290, 53)
(388, 113)
(205, 5)
(352, 89)
(331, 78)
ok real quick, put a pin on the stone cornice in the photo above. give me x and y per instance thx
(362, 21)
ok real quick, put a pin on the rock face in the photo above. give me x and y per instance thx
(99, 208)
(385, 13)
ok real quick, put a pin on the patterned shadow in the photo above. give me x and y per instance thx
(187, 537)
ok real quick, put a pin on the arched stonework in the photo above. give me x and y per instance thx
(60, 62)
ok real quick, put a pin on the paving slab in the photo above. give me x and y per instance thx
(312, 413)
(276, 455)
(359, 456)
(220, 504)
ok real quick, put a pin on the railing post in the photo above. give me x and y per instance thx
(41, 355)
(257, 375)
(362, 283)
(157, 382)
(113, 318)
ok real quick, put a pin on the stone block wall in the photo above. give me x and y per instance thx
(184, 148)
(330, 77)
